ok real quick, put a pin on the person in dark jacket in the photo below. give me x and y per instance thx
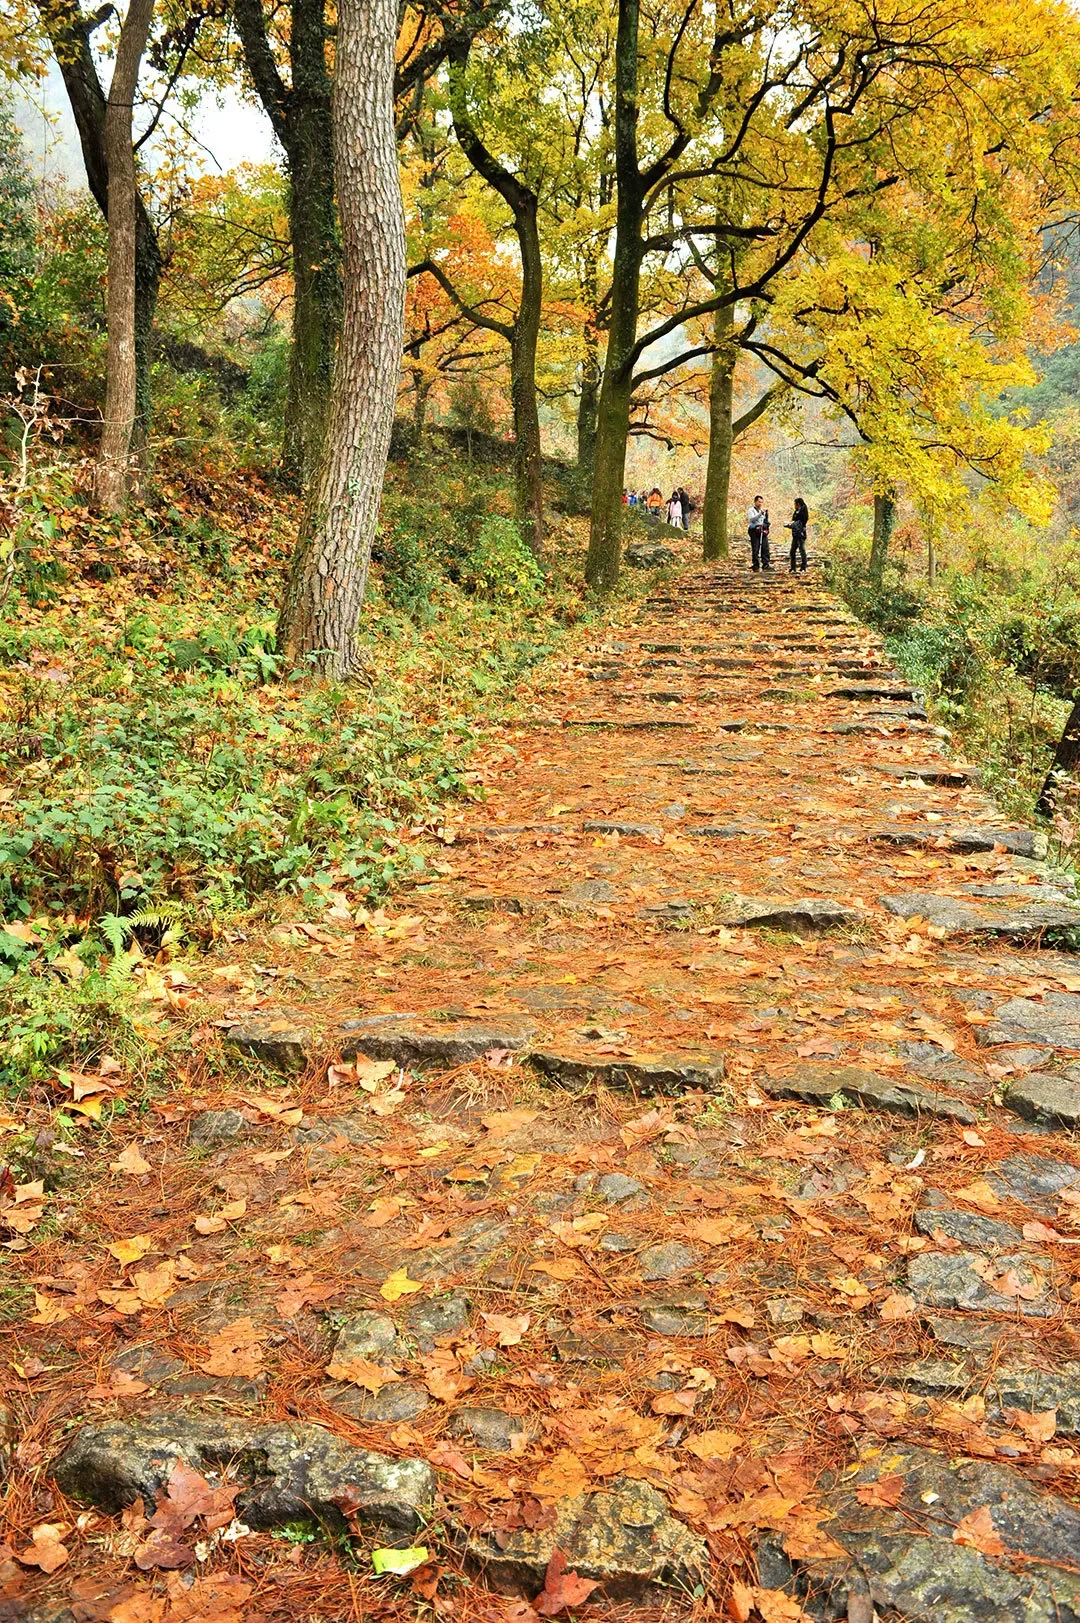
(800, 518)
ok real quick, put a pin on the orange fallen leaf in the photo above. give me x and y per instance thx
(234, 1351)
(886, 1492)
(897, 1305)
(977, 1530)
(508, 1327)
(45, 1550)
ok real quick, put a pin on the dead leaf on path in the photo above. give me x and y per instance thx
(121, 1385)
(218, 1222)
(398, 1284)
(272, 1158)
(362, 1372)
(714, 1445)
(509, 1328)
(130, 1250)
(562, 1589)
(131, 1161)
(383, 1212)
(718, 1230)
(898, 1305)
(1041, 1428)
(979, 1194)
(680, 1403)
(45, 1550)
(561, 1268)
(561, 1477)
(501, 1123)
(886, 1492)
(302, 1291)
(977, 1530)
(234, 1351)
(281, 1110)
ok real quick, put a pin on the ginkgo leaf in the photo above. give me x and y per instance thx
(130, 1250)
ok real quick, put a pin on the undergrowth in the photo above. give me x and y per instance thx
(162, 769)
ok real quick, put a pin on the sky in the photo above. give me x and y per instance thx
(230, 132)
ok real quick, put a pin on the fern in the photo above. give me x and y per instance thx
(115, 930)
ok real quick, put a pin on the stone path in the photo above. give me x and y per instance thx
(692, 1192)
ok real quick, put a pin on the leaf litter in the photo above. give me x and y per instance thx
(725, 1332)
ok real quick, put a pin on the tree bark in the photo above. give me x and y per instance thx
(616, 391)
(591, 373)
(884, 525)
(327, 576)
(300, 116)
(524, 331)
(111, 479)
(69, 34)
(1066, 760)
(714, 512)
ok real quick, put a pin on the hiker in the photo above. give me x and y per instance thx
(685, 505)
(655, 504)
(800, 518)
(674, 510)
(757, 522)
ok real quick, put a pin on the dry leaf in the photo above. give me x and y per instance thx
(130, 1250)
(979, 1194)
(399, 1284)
(234, 1351)
(45, 1550)
(897, 1305)
(362, 1372)
(714, 1445)
(886, 1492)
(130, 1160)
(508, 1327)
(977, 1530)
(383, 1212)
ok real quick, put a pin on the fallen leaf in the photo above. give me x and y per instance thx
(131, 1250)
(562, 1589)
(714, 1445)
(131, 1161)
(979, 1194)
(383, 1212)
(509, 1328)
(562, 1477)
(399, 1562)
(398, 1284)
(977, 1530)
(362, 1372)
(886, 1492)
(234, 1351)
(45, 1550)
(1039, 1427)
(897, 1305)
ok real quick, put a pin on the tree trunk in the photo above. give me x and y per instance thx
(300, 115)
(1066, 761)
(316, 254)
(714, 513)
(69, 35)
(528, 460)
(120, 392)
(590, 370)
(327, 577)
(884, 525)
(616, 391)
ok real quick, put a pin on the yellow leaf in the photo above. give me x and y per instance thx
(399, 1284)
(132, 1250)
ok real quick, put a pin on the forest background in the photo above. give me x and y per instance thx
(830, 253)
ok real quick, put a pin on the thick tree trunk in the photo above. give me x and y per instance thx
(528, 461)
(111, 478)
(328, 574)
(714, 513)
(1066, 761)
(884, 525)
(316, 253)
(589, 397)
(300, 115)
(616, 391)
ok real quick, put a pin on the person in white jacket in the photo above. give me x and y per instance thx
(757, 523)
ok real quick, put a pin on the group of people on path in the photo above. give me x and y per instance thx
(757, 521)
(676, 510)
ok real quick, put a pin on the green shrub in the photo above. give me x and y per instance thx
(499, 565)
